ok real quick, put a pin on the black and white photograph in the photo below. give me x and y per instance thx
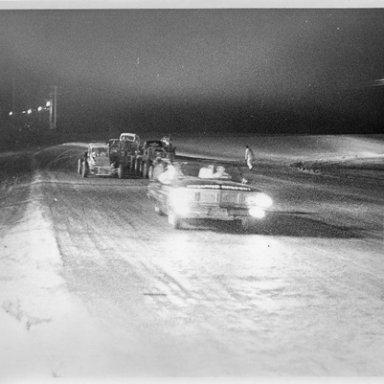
(191, 191)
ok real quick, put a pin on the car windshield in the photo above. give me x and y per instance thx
(99, 151)
(153, 144)
(212, 171)
(127, 138)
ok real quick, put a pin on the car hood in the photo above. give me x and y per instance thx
(197, 183)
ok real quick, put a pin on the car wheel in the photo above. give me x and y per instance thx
(137, 166)
(158, 209)
(84, 169)
(175, 220)
(79, 166)
(120, 171)
(132, 164)
(150, 172)
(145, 170)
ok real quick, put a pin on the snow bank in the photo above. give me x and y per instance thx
(76, 144)
(278, 148)
(282, 148)
(45, 332)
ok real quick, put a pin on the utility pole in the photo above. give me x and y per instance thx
(50, 110)
(13, 93)
(53, 108)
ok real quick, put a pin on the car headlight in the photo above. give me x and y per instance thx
(260, 199)
(178, 201)
(257, 213)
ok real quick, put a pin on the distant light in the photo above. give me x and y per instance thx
(10, 113)
(29, 111)
(48, 104)
(39, 108)
(24, 112)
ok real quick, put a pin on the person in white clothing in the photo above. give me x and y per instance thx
(249, 157)
(220, 173)
(206, 172)
(171, 173)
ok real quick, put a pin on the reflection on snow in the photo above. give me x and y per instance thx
(251, 274)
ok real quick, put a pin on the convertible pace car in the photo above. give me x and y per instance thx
(191, 190)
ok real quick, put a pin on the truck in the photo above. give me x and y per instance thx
(124, 154)
(128, 156)
(151, 152)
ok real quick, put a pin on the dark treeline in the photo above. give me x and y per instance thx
(351, 112)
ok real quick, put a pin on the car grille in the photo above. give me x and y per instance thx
(232, 197)
(103, 171)
(219, 197)
(207, 197)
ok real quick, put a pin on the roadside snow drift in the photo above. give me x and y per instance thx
(283, 148)
(44, 330)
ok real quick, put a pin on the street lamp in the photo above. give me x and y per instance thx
(48, 103)
(29, 111)
(39, 109)
(10, 113)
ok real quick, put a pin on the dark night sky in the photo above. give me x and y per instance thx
(247, 69)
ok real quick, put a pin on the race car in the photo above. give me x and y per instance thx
(96, 161)
(195, 190)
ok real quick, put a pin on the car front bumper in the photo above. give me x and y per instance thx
(219, 213)
(103, 171)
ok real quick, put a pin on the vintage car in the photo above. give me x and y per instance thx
(193, 190)
(124, 154)
(96, 161)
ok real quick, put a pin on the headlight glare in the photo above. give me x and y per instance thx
(257, 212)
(179, 201)
(260, 199)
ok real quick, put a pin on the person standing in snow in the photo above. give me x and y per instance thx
(249, 157)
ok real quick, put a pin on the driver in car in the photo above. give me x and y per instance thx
(207, 172)
(220, 173)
